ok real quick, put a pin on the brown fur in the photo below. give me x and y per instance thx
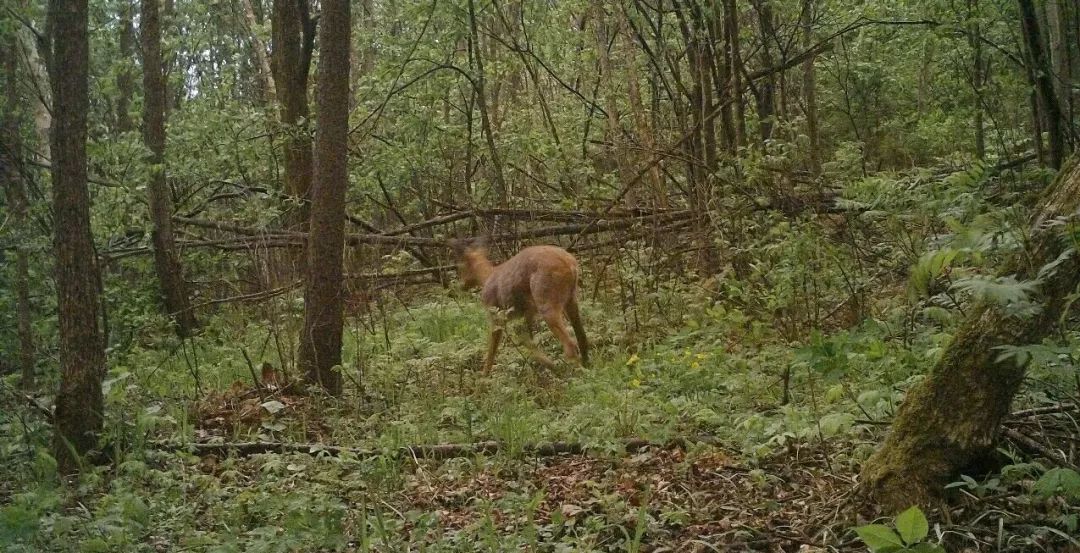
(539, 280)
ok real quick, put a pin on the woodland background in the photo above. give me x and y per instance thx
(787, 213)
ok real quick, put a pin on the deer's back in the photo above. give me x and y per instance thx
(536, 275)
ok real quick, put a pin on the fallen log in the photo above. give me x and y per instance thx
(433, 452)
(288, 238)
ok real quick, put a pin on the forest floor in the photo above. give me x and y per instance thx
(732, 467)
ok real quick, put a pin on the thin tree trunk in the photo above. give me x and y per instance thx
(809, 89)
(501, 189)
(641, 122)
(78, 418)
(1058, 15)
(125, 80)
(978, 76)
(951, 419)
(1043, 82)
(721, 75)
(731, 33)
(11, 152)
(766, 98)
(35, 64)
(257, 44)
(166, 259)
(320, 340)
(293, 40)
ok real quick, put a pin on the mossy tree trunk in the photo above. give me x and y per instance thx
(951, 419)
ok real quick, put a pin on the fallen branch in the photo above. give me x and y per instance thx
(436, 452)
(1049, 409)
(287, 238)
(1033, 446)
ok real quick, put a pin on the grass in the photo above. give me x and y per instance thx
(689, 367)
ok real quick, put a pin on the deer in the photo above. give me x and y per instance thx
(538, 281)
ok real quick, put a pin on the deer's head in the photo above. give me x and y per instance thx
(474, 267)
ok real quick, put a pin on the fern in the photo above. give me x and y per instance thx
(1002, 291)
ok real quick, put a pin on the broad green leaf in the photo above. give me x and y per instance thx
(1063, 481)
(880, 538)
(912, 525)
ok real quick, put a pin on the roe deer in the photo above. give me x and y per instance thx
(539, 280)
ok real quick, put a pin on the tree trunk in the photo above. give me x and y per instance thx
(293, 40)
(38, 72)
(11, 152)
(320, 341)
(166, 259)
(641, 122)
(259, 47)
(950, 420)
(125, 81)
(731, 34)
(766, 98)
(501, 189)
(1043, 81)
(809, 90)
(1058, 16)
(721, 74)
(79, 402)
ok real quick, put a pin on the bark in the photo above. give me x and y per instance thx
(809, 89)
(125, 80)
(952, 418)
(1042, 76)
(320, 340)
(978, 76)
(641, 121)
(731, 34)
(1058, 16)
(501, 189)
(721, 74)
(259, 47)
(11, 152)
(293, 36)
(34, 62)
(766, 95)
(79, 402)
(166, 258)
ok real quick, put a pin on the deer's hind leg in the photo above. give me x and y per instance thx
(528, 339)
(554, 318)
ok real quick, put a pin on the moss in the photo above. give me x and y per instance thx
(950, 420)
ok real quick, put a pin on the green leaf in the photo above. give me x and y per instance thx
(879, 538)
(912, 525)
(1059, 481)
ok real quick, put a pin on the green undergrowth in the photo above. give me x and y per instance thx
(798, 353)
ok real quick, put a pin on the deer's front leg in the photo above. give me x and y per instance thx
(497, 323)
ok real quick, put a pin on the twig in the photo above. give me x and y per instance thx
(1034, 446)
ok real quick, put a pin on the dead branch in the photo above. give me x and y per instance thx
(1025, 442)
(435, 452)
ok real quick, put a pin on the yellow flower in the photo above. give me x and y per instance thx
(695, 365)
(633, 359)
(635, 383)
